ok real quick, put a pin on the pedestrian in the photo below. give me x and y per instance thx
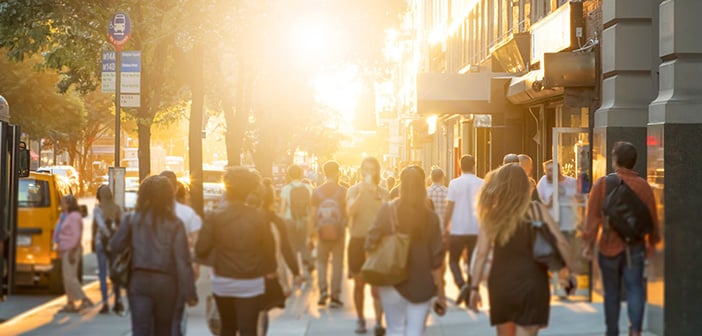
(183, 194)
(460, 222)
(437, 193)
(517, 284)
(510, 158)
(192, 223)
(265, 199)
(407, 304)
(161, 271)
(106, 218)
(329, 223)
(390, 183)
(295, 202)
(567, 216)
(527, 164)
(68, 236)
(239, 237)
(621, 263)
(363, 201)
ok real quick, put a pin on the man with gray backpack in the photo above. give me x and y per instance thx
(295, 200)
(329, 223)
(623, 207)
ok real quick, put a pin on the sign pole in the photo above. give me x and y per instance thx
(118, 107)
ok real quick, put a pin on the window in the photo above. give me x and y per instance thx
(539, 9)
(33, 194)
(212, 176)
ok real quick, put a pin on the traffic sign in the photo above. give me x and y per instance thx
(109, 74)
(130, 100)
(119, 29)
(130, 76)
(130, 72)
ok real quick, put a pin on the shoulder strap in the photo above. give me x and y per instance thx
(393, 217)
(611, 181)
(535, 212)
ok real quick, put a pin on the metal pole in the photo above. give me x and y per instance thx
(118, 72)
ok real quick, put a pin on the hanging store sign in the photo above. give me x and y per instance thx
(557, 31)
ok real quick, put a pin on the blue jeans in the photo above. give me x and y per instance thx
(153, 300)
(103, 260)
(615, 270)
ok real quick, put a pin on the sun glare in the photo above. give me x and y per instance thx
(310, 37)
(339, 92)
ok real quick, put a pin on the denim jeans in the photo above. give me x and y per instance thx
(458, 244)
(618, 269)
(103, 260)
(152, 301)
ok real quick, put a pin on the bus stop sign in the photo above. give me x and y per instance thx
(119, 29)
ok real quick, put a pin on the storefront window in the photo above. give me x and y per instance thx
(656, 266)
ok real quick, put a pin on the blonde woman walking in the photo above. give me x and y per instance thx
(517, 283)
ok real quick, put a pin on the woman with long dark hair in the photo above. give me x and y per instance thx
(517, 283)
(407, 304)
(68, 234)
(106, 217)
(161, 272)
(240, 237)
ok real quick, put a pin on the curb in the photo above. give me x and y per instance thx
(44, 306)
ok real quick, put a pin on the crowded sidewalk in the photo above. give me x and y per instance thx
(302, 316)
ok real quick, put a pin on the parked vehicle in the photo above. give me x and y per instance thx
(212, 187)
(69, 173)
(39, 208)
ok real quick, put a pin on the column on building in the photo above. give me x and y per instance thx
(629, 85)
(675, 132)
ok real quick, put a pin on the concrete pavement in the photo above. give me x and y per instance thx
(302, 317)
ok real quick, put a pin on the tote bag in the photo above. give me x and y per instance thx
(387, 264)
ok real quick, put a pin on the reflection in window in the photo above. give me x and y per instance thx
(33, 194)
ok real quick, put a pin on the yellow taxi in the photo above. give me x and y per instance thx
(38, 209)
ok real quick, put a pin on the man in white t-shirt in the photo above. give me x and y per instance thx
(461, 222)
(568, 218)
(192, 223)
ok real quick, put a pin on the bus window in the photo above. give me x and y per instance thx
(33, 194)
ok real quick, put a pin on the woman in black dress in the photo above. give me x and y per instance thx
(517, 285)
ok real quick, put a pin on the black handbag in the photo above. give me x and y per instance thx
(273, 297)
(121, 263)
(544, 245)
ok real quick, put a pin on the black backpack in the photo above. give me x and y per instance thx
(300, 200)
(625, 212)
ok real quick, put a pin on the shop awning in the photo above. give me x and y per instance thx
(529, 89)
(452, 93)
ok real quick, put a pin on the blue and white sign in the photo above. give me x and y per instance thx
(119, 29)
(130, 76)
(109, 71)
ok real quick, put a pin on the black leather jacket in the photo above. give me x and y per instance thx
(157, 247)
(241, 239)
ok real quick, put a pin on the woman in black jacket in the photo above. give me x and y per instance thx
(407, 304)
(160, 262)
(240, 237)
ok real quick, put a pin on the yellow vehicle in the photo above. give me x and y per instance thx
(38, 210)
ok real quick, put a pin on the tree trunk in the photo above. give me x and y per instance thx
(265, 150)
(195, 133)
(237, 117)
(144, 130)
